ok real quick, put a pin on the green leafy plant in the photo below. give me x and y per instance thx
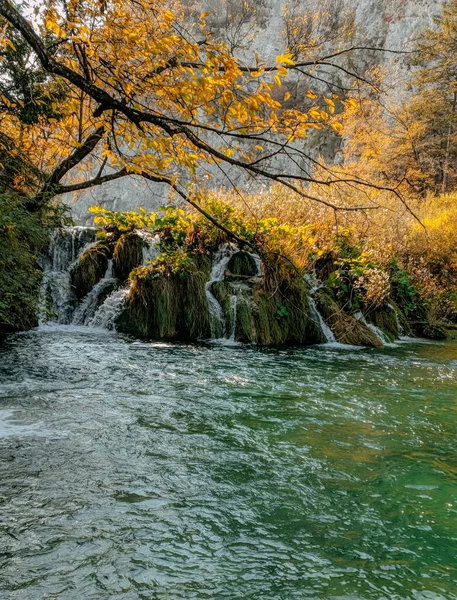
(281, 310)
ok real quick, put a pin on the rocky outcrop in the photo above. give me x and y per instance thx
(172, 307)
(90, 269)
(128, 254)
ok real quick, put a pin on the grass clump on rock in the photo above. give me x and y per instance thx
(283, 315)
(128, 254)
(346, 329)
(90, 269)
(168, 304)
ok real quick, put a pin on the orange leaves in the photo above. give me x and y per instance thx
(177, 98)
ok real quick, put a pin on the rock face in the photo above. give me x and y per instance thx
(392, 24)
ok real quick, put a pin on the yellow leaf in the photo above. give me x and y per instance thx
(285, 58)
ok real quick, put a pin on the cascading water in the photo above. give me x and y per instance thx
(86, 311)
(150, 246)
(314, 285)
(233, 304)
(65, 248)
(107, 312)
(217, 317)
(101, 306)
(218, 320)
(105, 317)
(400, 328)
(327, 332)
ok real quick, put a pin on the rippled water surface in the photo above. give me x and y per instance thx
(133, 470)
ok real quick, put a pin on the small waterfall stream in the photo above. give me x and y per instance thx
(217, 317)
(64, 250)
(233, 305)
(328, 333)
(86, 311)
(314, 285)
(104, 302)
(218, 320)
(106, 314)
(401, 330)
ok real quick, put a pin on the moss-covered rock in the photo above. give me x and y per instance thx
(245, 330)
(346, 329)
(168, 307)
(223, 292)
(283, 316)
(242, 264)
(385, 318)
(424, 329)
(325, 265)
(128, 254)
(90, 269)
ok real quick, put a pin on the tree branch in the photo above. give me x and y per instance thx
(52, 182)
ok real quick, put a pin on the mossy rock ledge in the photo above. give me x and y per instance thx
(266, 317)
(346, 329)
(128, 254)
(171, 307)
(90, 269)
(241, 265)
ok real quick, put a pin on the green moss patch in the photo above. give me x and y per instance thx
(242, 264)
(283, 316)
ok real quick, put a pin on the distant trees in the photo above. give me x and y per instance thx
(413, 144)
(434, 104)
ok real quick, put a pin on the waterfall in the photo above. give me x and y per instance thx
(400, 328)
(233, 303)
(85, 312)
(150, 246)
(313, 282)
(65, 248)
(103, 304)
(107, 313)
(217, 318)
(314, 285)
(327, 332)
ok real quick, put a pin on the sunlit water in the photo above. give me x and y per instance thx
(139, 470)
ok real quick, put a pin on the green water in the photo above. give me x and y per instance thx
(132, 470)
